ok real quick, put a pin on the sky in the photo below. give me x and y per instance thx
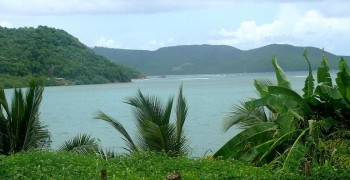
(152, 24)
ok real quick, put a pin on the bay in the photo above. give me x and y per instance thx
(70, 110)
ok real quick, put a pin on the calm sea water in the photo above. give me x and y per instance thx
(70, 110)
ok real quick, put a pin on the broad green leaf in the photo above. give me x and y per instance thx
(332, 96)
(256, 151)
(309, 81)
(323, 75)
(285, 138)
(343, 80)
(246, 140)
(282, 79)
(295, 154)
(261, 86)
(287, 122)
(285, 92)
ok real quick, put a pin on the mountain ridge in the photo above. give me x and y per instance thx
(211, 59)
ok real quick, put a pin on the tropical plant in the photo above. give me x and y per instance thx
(155, 132)
(85, 144)
(81, 143)
(20, 127)
(298, 123)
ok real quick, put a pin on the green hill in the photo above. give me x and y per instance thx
(55, 56)
(208, 59)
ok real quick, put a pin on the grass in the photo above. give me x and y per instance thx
(67, 165)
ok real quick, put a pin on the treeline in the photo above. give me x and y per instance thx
(215, 59)
(54, 55)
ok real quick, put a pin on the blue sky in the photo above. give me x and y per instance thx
(151, 24)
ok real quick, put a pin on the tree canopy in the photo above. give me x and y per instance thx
(53, 53)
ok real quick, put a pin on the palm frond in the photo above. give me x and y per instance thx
(181, 114)
(21, 128)
(245, 116)
(120, 128)
(82, 144)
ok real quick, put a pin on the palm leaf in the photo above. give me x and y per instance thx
(245, 116)
(181, 114)
(281, 76)
(120, 128)
(82, 144)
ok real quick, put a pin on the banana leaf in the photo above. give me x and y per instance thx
(343, 80)
(277, 142)
(246, 140)
(309, 81)
(295, 154)
(291, 94)
(255, 152)
(323, 75)
(282, 79)
(331, 95)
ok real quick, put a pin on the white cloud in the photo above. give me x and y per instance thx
(310, 28)
(154, 44)
(110, 43)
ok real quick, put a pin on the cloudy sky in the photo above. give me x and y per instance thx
(151, 24)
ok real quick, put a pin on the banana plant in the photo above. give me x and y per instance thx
(289, 136)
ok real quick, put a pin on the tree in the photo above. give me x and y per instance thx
(20, 126)
(155, 132)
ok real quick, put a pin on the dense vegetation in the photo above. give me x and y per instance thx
(53, 55)
(214, 59)
(65, 165)
(293, 132)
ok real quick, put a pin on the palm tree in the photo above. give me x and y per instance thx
(154, 130)
(20, 127)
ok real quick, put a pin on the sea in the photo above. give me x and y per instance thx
(71, 110)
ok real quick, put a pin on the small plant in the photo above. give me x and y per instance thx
(155, 131)
(20, 127)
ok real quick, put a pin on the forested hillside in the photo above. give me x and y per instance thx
(56, 56)
(202, 59)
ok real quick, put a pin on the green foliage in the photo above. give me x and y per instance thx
(66, 165)
(20, 127)
(52, 53)
(82, 144)
(215, 59)
(155, 132)
(301, 123)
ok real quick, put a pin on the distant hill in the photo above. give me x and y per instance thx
(208, 59)
(56, 56)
